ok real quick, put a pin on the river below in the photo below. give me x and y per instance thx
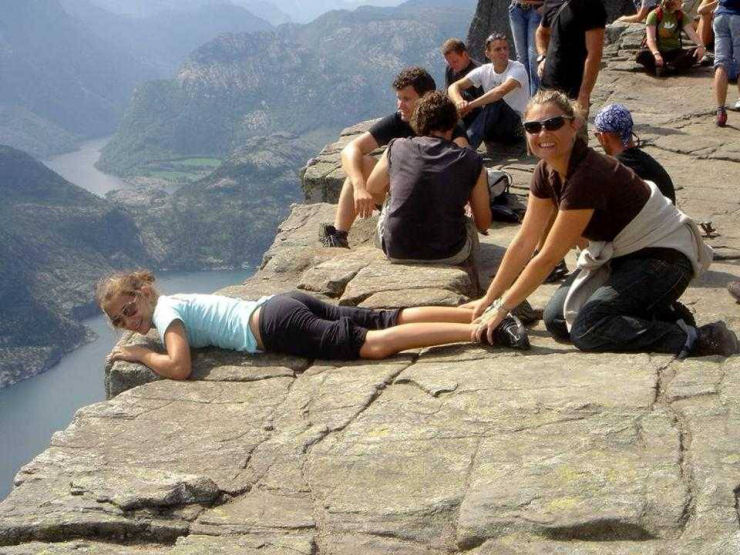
(32, 410)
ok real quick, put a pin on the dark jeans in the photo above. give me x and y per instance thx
(497, 122)
(678, 60)
(632, 311)
(298, 324)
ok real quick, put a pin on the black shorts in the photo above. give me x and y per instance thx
(298, 324)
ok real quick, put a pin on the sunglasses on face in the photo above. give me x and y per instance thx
(550, 124)
(129, 309)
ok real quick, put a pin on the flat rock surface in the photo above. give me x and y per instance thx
(459, 448)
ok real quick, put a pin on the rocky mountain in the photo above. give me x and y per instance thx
(147, 8)
(164, 38)
(313, 78)
(68, 67)
(227, 219)
(54, 68)
(56, 240)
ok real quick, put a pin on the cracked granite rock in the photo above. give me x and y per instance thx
(453, 449)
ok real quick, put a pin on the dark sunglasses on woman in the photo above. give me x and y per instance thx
(551, 124)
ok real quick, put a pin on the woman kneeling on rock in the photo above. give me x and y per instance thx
(292, 323)
(642, 251)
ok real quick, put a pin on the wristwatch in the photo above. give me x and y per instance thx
(541, 58)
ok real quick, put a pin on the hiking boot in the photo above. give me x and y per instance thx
(509, 333)
(721, 117)
(330, 236)
(734, 288)
(558, 272)
(715, 339)
(525, 313)
(681, 312)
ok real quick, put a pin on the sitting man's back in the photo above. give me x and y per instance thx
(430, 180)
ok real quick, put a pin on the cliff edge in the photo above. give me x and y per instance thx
(454, 449)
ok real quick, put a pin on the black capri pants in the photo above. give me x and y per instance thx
(298, 324)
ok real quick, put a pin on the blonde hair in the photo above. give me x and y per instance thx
(569, 107)
(122, 283)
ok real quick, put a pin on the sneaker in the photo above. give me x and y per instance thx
(721, 117)
(330, 236)
(715, 339)
(736, 106)
(734, 288)
(706, 60)
(509, 333)
(526, 314)
(558, 272)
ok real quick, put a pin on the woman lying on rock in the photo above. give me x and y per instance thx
(642, 251)
(291, 323)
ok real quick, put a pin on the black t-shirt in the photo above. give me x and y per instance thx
(648, 169)
(393, 127)
(450, 77)
(431, 180)
(566, 51)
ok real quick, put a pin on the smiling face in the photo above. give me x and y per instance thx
(406, 101)
(131, 312)
(498, 52)
(550, 145)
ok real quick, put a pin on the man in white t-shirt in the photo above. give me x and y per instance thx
(506, 92)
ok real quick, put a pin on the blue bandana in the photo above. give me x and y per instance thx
(615, 118)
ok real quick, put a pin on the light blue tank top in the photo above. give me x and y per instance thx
(209, 320)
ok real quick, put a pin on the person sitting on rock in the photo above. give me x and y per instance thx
(430, 180)
(506, 90)
(665, 53)
(614, 132)
(642, 252)
(459, 64)
(292, 323)
(354, 200)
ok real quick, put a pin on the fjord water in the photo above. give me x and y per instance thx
(32, 410)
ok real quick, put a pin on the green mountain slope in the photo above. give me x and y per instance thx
(327, 74)
(227, 219)
(56, 240)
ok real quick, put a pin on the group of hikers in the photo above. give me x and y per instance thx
(637, 252)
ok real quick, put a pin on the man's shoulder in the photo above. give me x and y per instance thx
(516, 67)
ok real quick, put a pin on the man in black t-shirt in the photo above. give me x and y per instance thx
(429, 180)
(459, 64)
(354, 200)
(570, 40)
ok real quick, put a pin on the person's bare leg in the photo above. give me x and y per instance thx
(720, 85)
(382, 343)
(346, 214)
(435, 314)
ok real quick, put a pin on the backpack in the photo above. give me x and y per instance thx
(505, 206)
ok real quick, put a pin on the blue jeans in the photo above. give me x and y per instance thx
(727, 43)
(632, 311)
(496, 122)
(523, 27)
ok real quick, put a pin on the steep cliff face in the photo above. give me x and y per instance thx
(462, 449)
(56, 240)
